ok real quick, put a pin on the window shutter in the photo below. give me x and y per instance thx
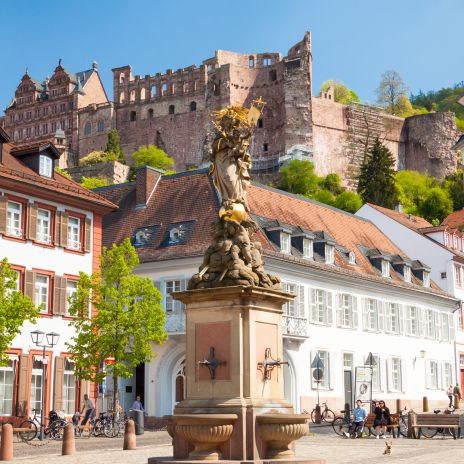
(313, 311)
(387, 318)
(32, 221)
(407, 321)
(21, 408)
(427, 374)
(354, 311)
(301, 301)
(452, 329)
(440, 370)
(58, 383)
(332, 367)
(329, 306)
(389, 374)
(57, 295)
(381, 310)
(64, 230)
(29, 284)
(87, 234)
(57, 228)
(380, 366)
(401, 318)
(436, 317)
(338, 303)
(365, 310)
(3, 213)
(422, 324)
(312, 353)
(404, 372)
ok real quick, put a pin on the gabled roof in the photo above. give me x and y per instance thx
(455, 220)
(408, 220)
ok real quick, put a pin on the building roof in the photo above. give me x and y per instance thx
(190, 198)
(408, 220)
(17, 173)
(455, 220)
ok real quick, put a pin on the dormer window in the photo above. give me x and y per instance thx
(407, 274)
(385, 268)
(426, 279)
(352, 257)
(329, 252)
(308, 250)
(285, 243)
(45, 166)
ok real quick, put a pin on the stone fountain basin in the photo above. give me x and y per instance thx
(277, 418)
(204, 419)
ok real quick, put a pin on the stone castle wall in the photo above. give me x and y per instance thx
(113, 170)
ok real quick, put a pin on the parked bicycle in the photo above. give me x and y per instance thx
(53, 430)
(430, 432)
(327, 415)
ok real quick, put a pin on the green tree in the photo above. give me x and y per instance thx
(376, 181)
(15, 309)
(324, 196)
(94, 182)
(299, 177)
(348, 201)
(332, 183)
(114, 146)
(128, 317)
(63, 172)
(454, 184)
(342, 93)
(96, 157)
(151, 155)
(436, 205)
(391, 88)
(413, 187)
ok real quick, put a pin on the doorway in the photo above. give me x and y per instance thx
(348, 378)
(140, 381)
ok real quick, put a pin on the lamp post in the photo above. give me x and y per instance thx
(52, 339)
(371, 362)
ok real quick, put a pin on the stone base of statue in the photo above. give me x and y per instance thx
(235, 408)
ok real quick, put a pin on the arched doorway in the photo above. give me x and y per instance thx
(290, 388)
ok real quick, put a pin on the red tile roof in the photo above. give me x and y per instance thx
(455, 220)
(14, 170)
(408, 220)
(191, 196)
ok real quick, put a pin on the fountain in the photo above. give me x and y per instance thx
(235, 408)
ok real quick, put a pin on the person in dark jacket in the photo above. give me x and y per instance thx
(382, 419)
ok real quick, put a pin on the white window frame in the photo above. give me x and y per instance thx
(45, 166)
(36, 374)
(372, 314)
(325, 357)
(376, 374)
(433, 375)
(346, 308)
(7, 383)
(396, 374)
(14, 224)
(44, 222)
(447, 369)
(69, 388)
(457, 275)
(429, 321)
(308, 249)
(321, 306)
(385, 268)
(291, 307)
(42, 292)
(413, 323)
(285, 243)
(393, 315)
(74, 233)
(352, 258)
(171, 285)
(71, 290)
(329, 252)
(407, 274)
(426, 279)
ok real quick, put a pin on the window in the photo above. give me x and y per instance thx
(193, 106)
(14, 219)
(42, 290)
(172, 109)
(352, 257)
(153, 91)
(447, 374)
(308, 248)
(267, 61)
(6, 389)
(412, 321)
(376, 386)
(36, 384)
(69, 388)
(407, 274)
(393, 318)
(150, 113)
(164, 88)
(265, 147)
(45, 166)
(347, 361)
(87, 128)
(285, 242)
(325, 358)
(71, 289)
(260, 123)
(290, 308)
(445, 327)
(172, 305)
(385, 268)
(426, 279)
(74, 233)
(43, 225)
(433, 375)
(133, 116)
(100, 126)
(329, 254)
(321, 306)
(346, 312)
(251, 62)
(371, 321)
(396, 381)
(429, 329)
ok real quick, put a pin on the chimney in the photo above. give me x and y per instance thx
(399, 207)
(146, 180)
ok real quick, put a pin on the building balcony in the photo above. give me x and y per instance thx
(294, 327)
(175, 322)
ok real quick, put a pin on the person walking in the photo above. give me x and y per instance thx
(382, 419)
(449, 392)
(137, 404)
(360, 416)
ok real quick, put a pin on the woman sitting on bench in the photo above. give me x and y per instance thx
(382, 419)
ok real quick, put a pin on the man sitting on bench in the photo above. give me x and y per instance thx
(360, 416)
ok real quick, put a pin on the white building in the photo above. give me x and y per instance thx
(50, 230)
(356, 292)
(440, 247)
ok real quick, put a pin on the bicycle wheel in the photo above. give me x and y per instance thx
(328, 416)
(98, 428)
(31, 433)
(428, 432)
(404, 426)
(111, 430)
(340, 426)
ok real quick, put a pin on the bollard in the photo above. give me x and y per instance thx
(69, 446)
(398, 406)
(129, 436)
(411, 422)
(456, 401)
(425, 404)
(318, 417)
(6, 446)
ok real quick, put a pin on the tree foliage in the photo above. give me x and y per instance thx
(342, 93)
(63, 172)
(94, 182)
(436, 205)
(151, 155)
(96, 157)
(376, 181)
(413, 187)
(348, 201)
(391, 89)
(15, 309)
(299, 177)
(114, 146)
(454, 184)
(128, 317)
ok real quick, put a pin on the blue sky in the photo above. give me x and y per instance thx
(353, 40)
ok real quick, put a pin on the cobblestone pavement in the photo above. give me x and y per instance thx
(334, 449)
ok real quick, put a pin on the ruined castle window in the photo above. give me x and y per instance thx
(142, 93)
(164, 89)
(173, 88)
(87, 128)
(153, 91)
(70, 123)
(217, 88)
(100, 126)
(185, 87)
(132, 95)
(195, 85)
(260, 123)
(121, 79)
(272, 75)
(150, 113)
(265, 147)
(251, 61)
(122, 97)
(172, 109)
(193, 106)
(267, 61)
(28, 132)
(133, 116)
(63, 107)
(210, 67)
(70, 105)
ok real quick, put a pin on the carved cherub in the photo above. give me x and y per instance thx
(239, 235)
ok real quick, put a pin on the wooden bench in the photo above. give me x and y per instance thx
(394, 427)
(436, 421)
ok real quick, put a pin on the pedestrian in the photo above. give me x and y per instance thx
(449, 392)
(457, 391)
(89, 409)
(360, 416)
(382, 419)
(137, 404)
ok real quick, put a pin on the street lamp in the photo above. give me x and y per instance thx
(52, 339)
(371, 362)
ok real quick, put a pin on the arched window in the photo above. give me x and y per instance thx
(133, 116)
(150, 113)
(193, 106)
(132, 95)
(121, 79)
(100, 126)
(153, 90)
(142, 93)
(87, 128)
(172, 109)
(267, 61)
(122, 97)
(251, 61)
(185, 87)
(164, 88)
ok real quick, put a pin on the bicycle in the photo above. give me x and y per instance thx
(430, 432)
(105, 425)
(327, 415)
(54, 429)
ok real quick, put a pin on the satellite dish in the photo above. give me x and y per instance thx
(318, 374)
